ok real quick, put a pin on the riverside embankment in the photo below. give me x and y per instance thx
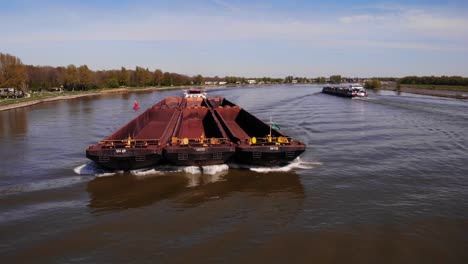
(458, 92)
(50, 97)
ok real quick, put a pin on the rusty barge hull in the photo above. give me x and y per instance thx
(267, 155)
(130, 160)
(256, 142)
(198, 156)
(138, 144)
(198, 139)
(194, 131)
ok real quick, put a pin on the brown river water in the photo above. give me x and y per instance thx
(383, 180)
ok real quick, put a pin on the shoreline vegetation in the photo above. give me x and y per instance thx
(25, 85)
(457, 92)
(8, 104)
(448, 91)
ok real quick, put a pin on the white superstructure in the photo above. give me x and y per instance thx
(194, 93)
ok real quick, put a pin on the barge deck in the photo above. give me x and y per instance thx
(256, 142)
(194, 131)
(139, 143)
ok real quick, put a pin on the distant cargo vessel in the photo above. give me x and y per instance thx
(194, 130)
(353, 90)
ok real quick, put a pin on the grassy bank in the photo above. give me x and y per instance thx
(429, 87)
(6, 104)
(48, 96)
(41, 96)
(458, 92)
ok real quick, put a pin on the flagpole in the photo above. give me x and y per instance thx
(270, 125)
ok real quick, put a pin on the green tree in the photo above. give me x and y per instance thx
(71, 80)
(143, 76)
(198, 80)
(167, 79)
(113, 83)
(12, 72)
(158, 77)
(372, 84)
(335, 78)
(321, 80)
(124, 77)
(85, 77)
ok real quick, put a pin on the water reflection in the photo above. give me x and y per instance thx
(125, 96)
(130, 191)
(13, 122)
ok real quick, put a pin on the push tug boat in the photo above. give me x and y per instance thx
(194, 131)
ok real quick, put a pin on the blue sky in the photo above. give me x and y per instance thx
(245, 38)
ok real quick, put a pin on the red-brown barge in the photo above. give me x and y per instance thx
(199, 138)
(256, 142)
(194, 131)
(140, 143)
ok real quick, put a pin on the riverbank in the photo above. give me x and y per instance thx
(457, 92)
(50, 97)
(440, 91)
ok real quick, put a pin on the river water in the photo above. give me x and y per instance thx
(383, 180)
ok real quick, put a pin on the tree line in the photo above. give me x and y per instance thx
(434, 80)
(82, 78)
(14, 74)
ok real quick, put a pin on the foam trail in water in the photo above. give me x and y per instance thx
(86, 169)
(146, 172)
(153, 172)
(206, 174)
(91, 168)
(192, 170)
(215, 169)
(41, 185)
(194, 180)
(296, 164)
(107, 174)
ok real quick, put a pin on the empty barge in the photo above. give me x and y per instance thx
(140, 143)
(199, 138)
(256, 142)
(194, 131)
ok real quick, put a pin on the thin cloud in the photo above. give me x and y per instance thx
(226, 5)
(409, 29)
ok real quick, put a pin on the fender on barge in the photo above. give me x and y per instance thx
(138, 144)
(256, 142)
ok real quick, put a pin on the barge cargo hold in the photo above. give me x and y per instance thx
(140, 143)
(198, 138)
(194, 131)
(256, 142)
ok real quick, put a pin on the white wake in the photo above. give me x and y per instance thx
(296, 164)
(93, 169)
